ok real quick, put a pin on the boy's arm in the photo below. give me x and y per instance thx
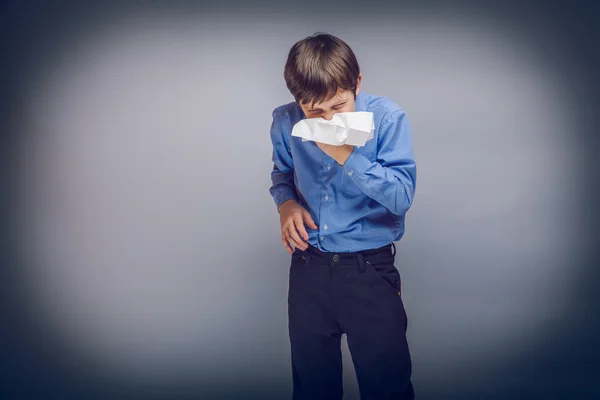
(282, 175)
(391, 180)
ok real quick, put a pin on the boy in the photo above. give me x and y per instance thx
(341, 208)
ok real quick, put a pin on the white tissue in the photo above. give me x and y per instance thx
(353, 128)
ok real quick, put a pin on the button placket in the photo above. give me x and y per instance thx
(326, 198)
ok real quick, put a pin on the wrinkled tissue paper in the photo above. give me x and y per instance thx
(353, 128)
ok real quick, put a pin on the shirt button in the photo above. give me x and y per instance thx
(322, 237)
(325, 227)
(328, 166)
(350, 173)
(326, 197)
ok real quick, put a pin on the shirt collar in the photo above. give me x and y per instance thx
(361, 104)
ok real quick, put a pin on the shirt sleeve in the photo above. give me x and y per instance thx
(282, 175)
(391, 179)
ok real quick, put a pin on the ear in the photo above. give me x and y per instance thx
(301, 107)
(358, 82)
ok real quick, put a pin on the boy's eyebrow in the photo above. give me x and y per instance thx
(335, 105)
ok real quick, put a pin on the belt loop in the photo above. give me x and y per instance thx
(306, 259)
(361, 263)
(394, 250)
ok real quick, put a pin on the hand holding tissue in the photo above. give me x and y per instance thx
(352, 128)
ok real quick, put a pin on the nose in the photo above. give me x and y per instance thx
(328, 116)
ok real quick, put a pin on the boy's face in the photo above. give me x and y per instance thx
(343, 101)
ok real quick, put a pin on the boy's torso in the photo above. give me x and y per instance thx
(347, 219)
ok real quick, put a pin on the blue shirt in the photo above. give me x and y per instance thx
(360, 205)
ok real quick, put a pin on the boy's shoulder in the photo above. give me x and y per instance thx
(289, 111)
(380, 106)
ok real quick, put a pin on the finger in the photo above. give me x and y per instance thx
(295, 239)
(294, 245)
(308, 219)
(288, 238)
(298, 242)
(300, 227)
(287, 246)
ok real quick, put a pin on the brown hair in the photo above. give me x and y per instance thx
(318, 66)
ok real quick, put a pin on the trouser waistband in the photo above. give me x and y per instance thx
(333, 258)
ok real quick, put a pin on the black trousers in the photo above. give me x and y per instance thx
(357, 294)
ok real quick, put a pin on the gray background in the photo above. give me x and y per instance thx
(150, 244)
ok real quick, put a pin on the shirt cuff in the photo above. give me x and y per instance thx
(285, 196)
(356, 165)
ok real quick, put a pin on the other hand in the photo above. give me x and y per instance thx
(339, 153)
(292, 217)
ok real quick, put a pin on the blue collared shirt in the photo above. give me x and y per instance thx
(360, 205)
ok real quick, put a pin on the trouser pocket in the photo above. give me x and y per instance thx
(386, 271)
